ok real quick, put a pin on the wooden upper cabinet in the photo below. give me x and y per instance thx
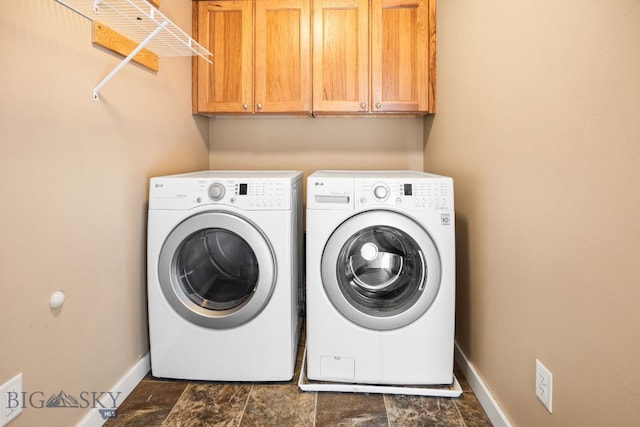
(341, 56)
(261, 56)
(373, 56)
(320, 56)
(282, 73)
(400, 56)
(225, 28)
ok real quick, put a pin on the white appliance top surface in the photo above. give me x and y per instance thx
(251, 174)
(377, 174)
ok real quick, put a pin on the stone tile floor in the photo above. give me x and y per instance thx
(169, 403)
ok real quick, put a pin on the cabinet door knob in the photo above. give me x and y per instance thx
(363, 106)
(245, 107)
(378, 105)
(259, 106)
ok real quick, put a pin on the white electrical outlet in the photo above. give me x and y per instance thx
(544, 385)
(10, 399)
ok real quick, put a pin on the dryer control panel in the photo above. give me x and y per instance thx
(403, 189)
(246, 194)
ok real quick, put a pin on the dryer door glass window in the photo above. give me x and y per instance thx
(217, 269)
(382, 270)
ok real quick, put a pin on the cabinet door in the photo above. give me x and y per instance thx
(400, 57)
(226, 29)
(282, 72)
(340, 56)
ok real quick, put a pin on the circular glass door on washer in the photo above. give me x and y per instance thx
(224, 275)
(380, 296)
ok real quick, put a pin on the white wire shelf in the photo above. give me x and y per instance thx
(142, 23)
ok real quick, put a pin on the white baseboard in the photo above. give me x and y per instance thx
(124, 386)
(489, 404)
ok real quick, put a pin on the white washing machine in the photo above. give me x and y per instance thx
(224, 270)
(380, 277)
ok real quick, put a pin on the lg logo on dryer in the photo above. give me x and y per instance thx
(445, 219)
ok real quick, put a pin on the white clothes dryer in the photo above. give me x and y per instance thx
(224, 270)
(380, 277)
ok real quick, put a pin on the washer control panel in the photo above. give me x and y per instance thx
(419, 194)
(247, 194)
(406, 190)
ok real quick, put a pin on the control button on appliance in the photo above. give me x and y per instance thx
(216, 191)
(381, 192)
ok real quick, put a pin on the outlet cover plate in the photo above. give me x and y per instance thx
(10, 399)
(544, 385)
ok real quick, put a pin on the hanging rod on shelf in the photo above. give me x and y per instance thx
(142, 23)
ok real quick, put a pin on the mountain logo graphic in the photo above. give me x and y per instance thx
(62, 400)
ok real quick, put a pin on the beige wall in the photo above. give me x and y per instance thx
(321, 143)
(537, 121)
(74, 190)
